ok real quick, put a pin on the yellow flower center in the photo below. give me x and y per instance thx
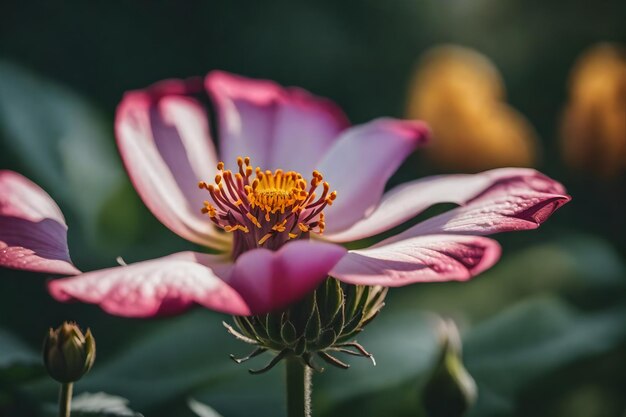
(276, 191)
(266, 209)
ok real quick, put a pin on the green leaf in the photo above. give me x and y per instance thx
(18, 362)
(533, 339)
(67, 144)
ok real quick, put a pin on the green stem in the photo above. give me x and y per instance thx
(298, 388)
(65, 399)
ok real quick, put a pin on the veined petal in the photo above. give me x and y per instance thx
(33, 234)
(433, 258)
(164, 140)
(514, 203)
(360, 163)
(512, 184)
(163, 286)
(278, 128)
(271, 280)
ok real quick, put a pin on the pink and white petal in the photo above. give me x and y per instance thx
(433, 258)
(20, 197)
(35, 246)
(511, 204)
(33, 234)
(360, 163)
(408, 200)
(166, 147)
(272, 280)
(159, 287)
(277, 127)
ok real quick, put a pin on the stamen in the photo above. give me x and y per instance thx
(264, 239)
(236, 227)
(282, 205)
(254, 220)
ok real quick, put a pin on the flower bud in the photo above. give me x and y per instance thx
(67, 353)
(324, 323)
(450, 390)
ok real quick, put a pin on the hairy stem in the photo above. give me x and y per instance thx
(298, 388)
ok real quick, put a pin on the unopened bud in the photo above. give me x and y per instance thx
(68, 354)
(451, 390)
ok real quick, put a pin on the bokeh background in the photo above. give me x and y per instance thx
(529, 83)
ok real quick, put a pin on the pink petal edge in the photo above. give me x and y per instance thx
(259, 282)
(159, 287)
(511, 204)
(407, 200)
(360, 163)
(33, 233)
(166, 147)
(277, 127)
(433, 258)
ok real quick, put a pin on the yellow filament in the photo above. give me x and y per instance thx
(236, 227)
(264, 238)
(253, 220)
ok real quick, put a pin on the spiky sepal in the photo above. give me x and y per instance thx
(321, 325)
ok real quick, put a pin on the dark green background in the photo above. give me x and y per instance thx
(545, 331)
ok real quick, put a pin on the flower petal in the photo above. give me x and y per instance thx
(407, 200)
(515, 203)
(33, 234)
(432, 258)
(277, 127)
(360, 163)
(163, 286)
(165, 143)
(271, 280)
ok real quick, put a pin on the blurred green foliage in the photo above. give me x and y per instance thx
(544, 331)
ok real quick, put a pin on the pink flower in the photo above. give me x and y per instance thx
(33, 234)
(278, 228)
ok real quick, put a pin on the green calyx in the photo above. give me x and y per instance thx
(68, 354)
(326, 322)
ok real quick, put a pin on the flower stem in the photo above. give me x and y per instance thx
(299, 388)
(65, 399)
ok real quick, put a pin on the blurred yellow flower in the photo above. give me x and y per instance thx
(460, 93)
(593, 129)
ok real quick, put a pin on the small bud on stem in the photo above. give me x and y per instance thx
(68, 354)
(450, 390)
